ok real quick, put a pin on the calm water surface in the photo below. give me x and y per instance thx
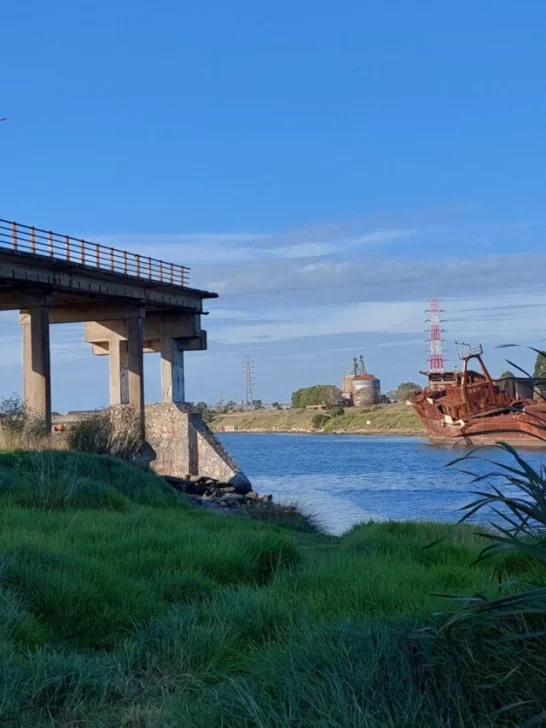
(345, 479)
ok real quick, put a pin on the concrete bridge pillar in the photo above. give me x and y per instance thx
(36, 362)
(172, 370)
(135, 367)
(119, 372)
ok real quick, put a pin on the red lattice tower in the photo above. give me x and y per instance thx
(436, 352)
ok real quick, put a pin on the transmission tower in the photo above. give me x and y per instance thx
(248, 382)
(436, 351)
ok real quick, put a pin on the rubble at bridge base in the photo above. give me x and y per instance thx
(203, 490)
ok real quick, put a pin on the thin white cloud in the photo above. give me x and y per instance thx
(376, 277)
(304, 250)
(206, 247)
(385, 236)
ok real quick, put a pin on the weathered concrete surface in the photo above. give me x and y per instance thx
(39, 276)
(184, 445)
(170, 334)
(36, 363)
(50, 274)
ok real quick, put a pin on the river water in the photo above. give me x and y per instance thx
(346, 479)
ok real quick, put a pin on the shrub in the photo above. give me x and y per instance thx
(113, 432)
(336, 411)
(318, 421)
(20, 429)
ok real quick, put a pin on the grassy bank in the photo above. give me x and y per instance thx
(121, 605)
(382, 419)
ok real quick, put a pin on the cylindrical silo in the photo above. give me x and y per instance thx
(366, 390)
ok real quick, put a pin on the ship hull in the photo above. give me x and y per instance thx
(525, 429)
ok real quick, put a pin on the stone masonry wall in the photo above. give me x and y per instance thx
(214, 460)
(168, 433)
(184, 445)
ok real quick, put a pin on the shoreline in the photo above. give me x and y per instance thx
(381, 420)
(298, 431)
(451, 444)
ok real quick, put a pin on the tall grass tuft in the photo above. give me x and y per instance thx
(516, 501)
(114, 431)
(290, 515)
(513, 611)
(20, 428)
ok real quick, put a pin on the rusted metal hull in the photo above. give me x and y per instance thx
(526, 428)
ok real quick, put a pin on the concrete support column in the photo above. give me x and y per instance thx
(119, 372)
(135, 367)
(36, 362)
(172, 370)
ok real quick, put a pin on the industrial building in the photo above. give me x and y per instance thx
(360, 388)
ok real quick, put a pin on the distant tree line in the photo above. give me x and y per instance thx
(226, 407)
(327, 394)
(403, 392)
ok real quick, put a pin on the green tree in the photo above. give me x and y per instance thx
(405, 390)
(327, 394)
(540, 366)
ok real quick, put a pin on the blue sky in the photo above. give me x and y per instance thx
(325, 166)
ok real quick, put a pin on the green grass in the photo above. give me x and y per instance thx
(120, 605)
(394, 418)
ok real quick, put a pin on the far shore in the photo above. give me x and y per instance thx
(390, 420)
(293, 431)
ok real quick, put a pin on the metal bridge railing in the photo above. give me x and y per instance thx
(44, 243)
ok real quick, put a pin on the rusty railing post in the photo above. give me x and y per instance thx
(40, 242)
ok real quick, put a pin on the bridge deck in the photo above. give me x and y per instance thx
(56, 279)
(33, 259)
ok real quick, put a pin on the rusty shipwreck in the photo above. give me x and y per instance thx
(468, 407)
